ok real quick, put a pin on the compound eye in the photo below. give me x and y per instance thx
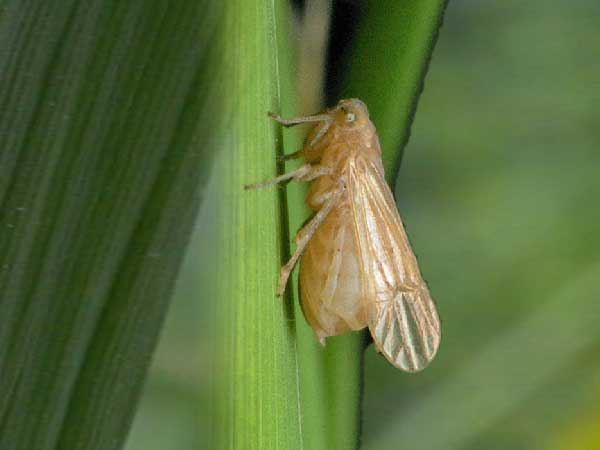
(350, 117)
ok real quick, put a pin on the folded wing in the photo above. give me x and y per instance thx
(401, 314)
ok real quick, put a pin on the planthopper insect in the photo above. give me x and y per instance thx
(357, 268)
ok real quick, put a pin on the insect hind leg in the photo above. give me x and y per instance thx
(303, 237)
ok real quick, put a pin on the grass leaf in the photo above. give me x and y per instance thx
(256, 372)
(108, 118)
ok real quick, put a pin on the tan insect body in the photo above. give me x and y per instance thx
(357, 268)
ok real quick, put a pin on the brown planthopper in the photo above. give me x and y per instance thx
(357, 268)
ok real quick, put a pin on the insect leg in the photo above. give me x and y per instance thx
(303, 237)
(296, 120)
(326, 118)
(305, 172)
(295, 155)
(317, 171)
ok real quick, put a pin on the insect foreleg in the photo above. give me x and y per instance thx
(325, 118)
(297, 120)
(305, 172)
(304, 235)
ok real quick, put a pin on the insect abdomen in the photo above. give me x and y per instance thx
(330, 290)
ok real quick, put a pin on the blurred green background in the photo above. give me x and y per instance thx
(499, 190)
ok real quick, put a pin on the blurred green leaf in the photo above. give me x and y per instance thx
(109, 114)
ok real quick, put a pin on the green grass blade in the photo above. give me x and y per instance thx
(107, 125)
(256, 372)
